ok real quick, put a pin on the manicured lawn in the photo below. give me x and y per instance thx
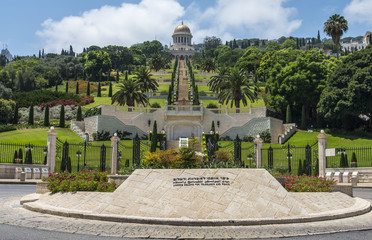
(38, 136)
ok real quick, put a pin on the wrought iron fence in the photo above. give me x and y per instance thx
(363, 157)
(248, 155)
(288, 158)
(140, 149)
(83, 155)
(125, 155)
(17, 153)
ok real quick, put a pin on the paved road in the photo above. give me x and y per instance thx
(8, 232)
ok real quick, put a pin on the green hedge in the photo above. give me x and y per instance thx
(24, 99)
(6, 128)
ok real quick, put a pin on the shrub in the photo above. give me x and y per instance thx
(92, 112)
(46, 116)
(85, 180)
(202, 93)
(223, 156)
(6, 128)
(42, 96)
(64, 102)
(248, 139)
(188, 158)
(28, 159)
(211, 105)
(162, 159)
(155, 105)
(31, 115)
(82, 86)
(85, 100)
(307, 184)
(6, 111)
(265, 136)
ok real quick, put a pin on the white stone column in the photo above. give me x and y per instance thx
(322, 146)
(114, 154)
(258, 151)
(51, 146)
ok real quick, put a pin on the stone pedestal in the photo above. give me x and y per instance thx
(258, 150)
(51, 145)
(322, 146)
(114, 154)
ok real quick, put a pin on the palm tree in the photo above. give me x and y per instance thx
(236, 85)
(156, 62)
(129, 93)
(215, 82)
(143, 78)
(335, 27)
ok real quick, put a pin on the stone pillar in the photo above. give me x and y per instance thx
(250, 108)
(227, 110)
(51, 146)
(322, 146)
(114, 154)
(258, 151)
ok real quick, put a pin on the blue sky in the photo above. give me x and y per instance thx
(27, 26)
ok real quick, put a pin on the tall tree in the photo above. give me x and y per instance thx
(67, 86)
(77, 88)
(144, 78)
(88, 89)
(288, 118)
(31, 115)
(335, 27)
(156, 62)
(79, 115)
(46, 115)
(154, 137)
(16, 114)
(99, 90)
(110, 90)
(237, 85)
(129, 93)
(62, 117)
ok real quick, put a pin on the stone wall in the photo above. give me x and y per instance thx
(7, 171)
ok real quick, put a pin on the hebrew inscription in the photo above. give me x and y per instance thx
(201, 181)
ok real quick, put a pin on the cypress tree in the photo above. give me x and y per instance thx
(213, 127)
(154, 137)
(288, 114)
(79, 116)
(20, 154)
(110, 90)
(342, 160)
(303, 118)
(117, 76)
(126, 75)
(99, 90)
(31, 115)
(88, 89)
(100, 75)
(108, 76)
(46, 115)
(15, 118)
(77, 88)
(346, 162)
(62, 116)
(15, 156)
(28, 159)
(66, 86)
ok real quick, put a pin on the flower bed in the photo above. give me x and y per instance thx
(307, 184)
(85, 180)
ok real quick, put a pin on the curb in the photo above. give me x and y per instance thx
(360, 207)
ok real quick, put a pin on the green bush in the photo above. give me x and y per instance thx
(265, 136)
(155, 105)
(92, 112)
(85, 180)
(42, 96)
(211, 105)
(6, 111)
(6, 128)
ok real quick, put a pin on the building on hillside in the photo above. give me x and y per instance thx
(367, 38)
(182, 46)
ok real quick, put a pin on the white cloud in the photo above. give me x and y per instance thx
(250, 18)
(133, 23)
(124, 25)
(359, 11)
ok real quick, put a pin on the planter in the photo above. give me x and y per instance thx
(353, 164)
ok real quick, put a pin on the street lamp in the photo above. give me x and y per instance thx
(78, 155)
(162, 131)
(85, 148)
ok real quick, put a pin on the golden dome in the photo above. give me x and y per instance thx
(182, 28)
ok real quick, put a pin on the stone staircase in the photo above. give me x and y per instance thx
(77, 127)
